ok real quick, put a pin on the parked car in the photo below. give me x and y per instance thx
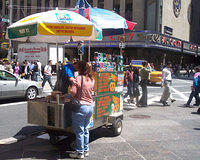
(12, 86)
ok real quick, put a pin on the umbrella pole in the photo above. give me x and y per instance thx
(57, 67)
(89, 51)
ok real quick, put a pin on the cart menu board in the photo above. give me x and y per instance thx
(107, 104)
(107, 82)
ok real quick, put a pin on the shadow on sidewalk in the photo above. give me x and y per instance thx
(36, 148)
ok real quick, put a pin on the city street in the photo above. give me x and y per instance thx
(152, 133)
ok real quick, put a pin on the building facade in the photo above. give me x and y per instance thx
(175, 20)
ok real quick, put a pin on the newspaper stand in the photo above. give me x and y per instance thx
(55, 116)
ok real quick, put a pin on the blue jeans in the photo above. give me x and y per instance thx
(80, 122)
(36, 76)
(195, 94)
(130, 90)
(47, 78)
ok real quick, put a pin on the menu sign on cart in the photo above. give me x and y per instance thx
(107, 104)
(107, 82)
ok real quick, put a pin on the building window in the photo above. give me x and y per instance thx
(129, 10)
(67, 3)
(116, 6)
(28, 7)
(55, 3)
(39, 4)
(22, 9)
(100, 4)
(14, 10)
(47, 5)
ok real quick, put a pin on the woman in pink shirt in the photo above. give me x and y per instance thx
(81, 119)
(17, 69)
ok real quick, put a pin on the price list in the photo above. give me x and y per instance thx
(103, 106)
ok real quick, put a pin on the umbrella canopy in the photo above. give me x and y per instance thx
(110, 22)
(56, 26)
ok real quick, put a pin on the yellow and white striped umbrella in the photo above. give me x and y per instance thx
(56, 26)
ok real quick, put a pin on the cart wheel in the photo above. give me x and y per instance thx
(53, 139)
(117, 127)
(72, 145)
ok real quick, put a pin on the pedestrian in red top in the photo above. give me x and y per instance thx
(129, 82)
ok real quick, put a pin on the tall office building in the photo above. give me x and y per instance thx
(164, 27)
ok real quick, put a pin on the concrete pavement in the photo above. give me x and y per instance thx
(153, 133)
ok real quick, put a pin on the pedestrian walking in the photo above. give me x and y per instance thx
(31, 66)
(144, 74)
(17, 69)
(8, 67)
(188, 70)
(136, 92)
(39, 68)
(166, 83)
(48, 75)
(25, 71)
(35, 72)
(82, 89)
(1, 65)
(195, 88)
(129, 82)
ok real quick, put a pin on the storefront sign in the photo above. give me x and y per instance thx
(189, 47)
(166, 41)
(107, 82)
(24, 31)
(107, 104)
(64, 29)
(32, 52)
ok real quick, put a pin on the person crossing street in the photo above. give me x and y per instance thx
(48, 75)
(166, 83)
(144, 74)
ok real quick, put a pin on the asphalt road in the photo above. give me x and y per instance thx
(152, 133)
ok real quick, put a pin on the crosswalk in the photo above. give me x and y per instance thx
(180, 91)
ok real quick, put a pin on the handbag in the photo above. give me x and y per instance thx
(74, 102)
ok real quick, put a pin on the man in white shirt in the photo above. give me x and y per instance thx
(39, 68)
(48, 75)
(166, 82)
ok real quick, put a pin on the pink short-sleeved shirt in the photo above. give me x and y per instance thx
(88, 87)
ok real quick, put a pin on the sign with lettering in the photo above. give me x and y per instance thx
(189, 47)
(24, 31)
(107, 104)
(33, 52)
(107, 82)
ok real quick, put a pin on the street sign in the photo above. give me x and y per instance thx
(80, 48)
(122, 45)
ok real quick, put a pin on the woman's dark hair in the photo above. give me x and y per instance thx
(136, 70)
(85, 69)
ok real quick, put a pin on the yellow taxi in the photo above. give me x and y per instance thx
(4, 59)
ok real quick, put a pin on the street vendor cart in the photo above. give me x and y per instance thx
(53, 112)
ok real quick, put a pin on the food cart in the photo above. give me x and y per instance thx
(53, 112)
